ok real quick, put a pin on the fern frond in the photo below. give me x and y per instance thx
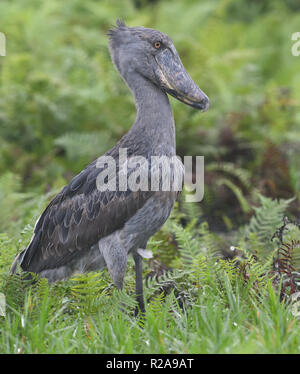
(15, 288)
(246, 208)
(268, 216)
(86, 289)
(155, 304)
(230, 169)
(188, 245)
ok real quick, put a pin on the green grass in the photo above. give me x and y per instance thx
(211, 325)
(206, 304)
(62, 104)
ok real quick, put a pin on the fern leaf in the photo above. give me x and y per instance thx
(268, 217)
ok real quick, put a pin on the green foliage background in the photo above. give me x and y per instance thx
(62, 104)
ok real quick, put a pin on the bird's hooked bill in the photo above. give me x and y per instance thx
(175, 80)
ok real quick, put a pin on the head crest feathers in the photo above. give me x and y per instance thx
(120, 23)
(120, 26)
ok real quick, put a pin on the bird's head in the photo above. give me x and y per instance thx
(152, 54)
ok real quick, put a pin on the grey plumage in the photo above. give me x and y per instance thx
(84, 229)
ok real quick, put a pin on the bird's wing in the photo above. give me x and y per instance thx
(77, 218)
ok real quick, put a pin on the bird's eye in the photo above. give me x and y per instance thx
(157, 45)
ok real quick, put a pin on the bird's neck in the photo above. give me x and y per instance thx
(154, 124)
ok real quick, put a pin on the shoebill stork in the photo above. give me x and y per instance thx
(87, 228)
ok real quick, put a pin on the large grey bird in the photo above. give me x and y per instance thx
(87, 227)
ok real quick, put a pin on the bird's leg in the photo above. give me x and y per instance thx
(138, 260)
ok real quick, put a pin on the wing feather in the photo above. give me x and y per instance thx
(77, 218)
